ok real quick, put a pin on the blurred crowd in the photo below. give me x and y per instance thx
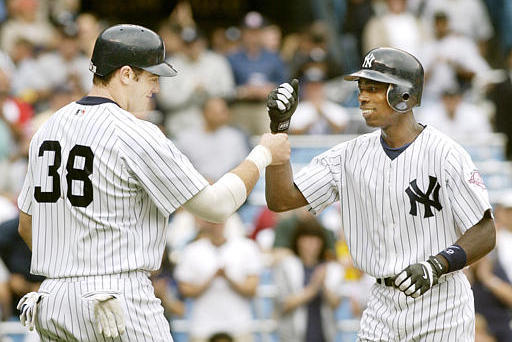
(212, 274)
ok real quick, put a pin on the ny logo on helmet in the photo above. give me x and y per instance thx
(418, 196)
(368, 61)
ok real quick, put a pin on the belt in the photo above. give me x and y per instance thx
(385, 281)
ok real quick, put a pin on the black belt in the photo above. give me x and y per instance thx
(385, 281)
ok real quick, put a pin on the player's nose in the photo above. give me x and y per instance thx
(156, 88)
(362, 96)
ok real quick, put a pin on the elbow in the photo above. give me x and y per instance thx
(276, 206)
(22, 231)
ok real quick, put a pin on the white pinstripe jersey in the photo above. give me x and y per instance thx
(397, 212)
(100, 187)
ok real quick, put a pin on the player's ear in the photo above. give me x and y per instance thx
(126, 74)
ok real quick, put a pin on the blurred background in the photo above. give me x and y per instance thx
(229, 54)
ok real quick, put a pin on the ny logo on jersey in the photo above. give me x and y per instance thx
(418, 196)
(368, 61)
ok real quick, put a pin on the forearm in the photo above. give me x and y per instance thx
(193, 290)
(280, 190)
(501, 289)
(246, 288)
(293, 301)
(479, 239)
(25, 228)
(231, 190)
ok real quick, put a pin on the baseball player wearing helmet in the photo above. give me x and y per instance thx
(98, 193)
(415, 210)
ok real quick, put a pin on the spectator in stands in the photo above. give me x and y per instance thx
(166, 288)
(493, 297)
(28, 82)
(66, 64)
(5, 293)
(16, 256)
(17, 115)
(225, 41)
(203, 74)
(358, 14)
(312, 47)
(315, 114)
(24, 24)
(397, 28)
(455, 116)
(503, 214)
(308, 287)
(89, 28)
(221, 275)
(466, 17)
(228, 144)
(171, 35)
(256, 71)
(286, 228)
(449, 60)
(492, 285)
(221, 337)
(481, 330)
(501, 95)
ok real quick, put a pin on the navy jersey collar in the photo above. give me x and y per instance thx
(94, 100)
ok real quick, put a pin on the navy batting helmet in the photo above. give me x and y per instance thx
(131, 45)
(400, 69)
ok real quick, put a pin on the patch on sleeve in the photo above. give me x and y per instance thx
(475, 178)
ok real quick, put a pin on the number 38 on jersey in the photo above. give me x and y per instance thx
(78, 170)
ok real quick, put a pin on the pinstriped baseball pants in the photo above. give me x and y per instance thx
(444, 313)
(65, 313)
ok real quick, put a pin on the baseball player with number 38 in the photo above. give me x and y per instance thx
(98, 193)
(414, 208)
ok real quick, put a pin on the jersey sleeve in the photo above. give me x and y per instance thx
(26, 195)
(163, 171)
(317, 180)
(466, 190)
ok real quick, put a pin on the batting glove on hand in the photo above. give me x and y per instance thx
(28, 307)
(417, 279)
(108, 314)
(281, 104)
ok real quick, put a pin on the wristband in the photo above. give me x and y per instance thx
(456, 257)
(261, 157)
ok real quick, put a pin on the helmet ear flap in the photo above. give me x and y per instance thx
(401, 98)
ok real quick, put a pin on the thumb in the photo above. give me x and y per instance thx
(295, 85)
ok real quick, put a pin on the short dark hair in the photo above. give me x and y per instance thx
(310, 227)
(221, 337)
(105, 80)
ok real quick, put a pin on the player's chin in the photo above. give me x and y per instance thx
(370, 122)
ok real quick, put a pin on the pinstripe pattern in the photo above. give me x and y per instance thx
(384, 237)
(444, 313)
(138, 179)
(66, 313)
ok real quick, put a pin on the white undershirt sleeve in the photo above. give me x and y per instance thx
(219, 201)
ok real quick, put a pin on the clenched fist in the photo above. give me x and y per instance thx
(278, 145)
(281, 104)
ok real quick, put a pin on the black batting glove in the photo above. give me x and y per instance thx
(417, 279)
(281, 104)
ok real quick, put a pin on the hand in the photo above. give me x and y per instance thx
(108, 315)
(281, 104)
(278, 145)
(318, 278)
(417, 279)
(28, 307)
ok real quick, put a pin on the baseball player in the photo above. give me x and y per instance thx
(99, 190)
(415, 210)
